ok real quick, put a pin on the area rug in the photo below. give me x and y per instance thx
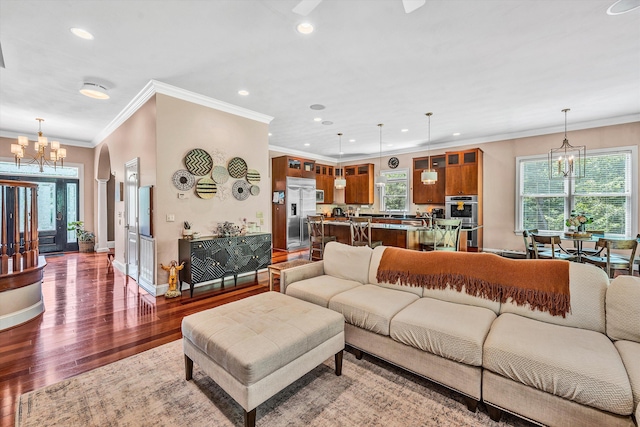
(149, 389)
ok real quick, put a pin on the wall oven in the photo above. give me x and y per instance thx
(464, 208)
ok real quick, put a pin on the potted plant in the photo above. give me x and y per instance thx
(86, 239)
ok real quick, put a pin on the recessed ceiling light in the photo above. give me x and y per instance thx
(623, 6)
(94, 90)
(327, 122)
(389, 145)
(317, 107)
(270, 134)
(352, 140)
(341, 153)
(243, 92)
(317, 119)
(305, 28)
(83, 34)
(456, 134)
(307, 144)
(404, 130)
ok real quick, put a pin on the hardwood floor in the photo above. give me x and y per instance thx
(95, 315)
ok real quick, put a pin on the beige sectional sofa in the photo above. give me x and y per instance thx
(581, 369)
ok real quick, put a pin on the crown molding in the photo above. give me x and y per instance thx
(154, 86)
(34, 136)
(305, 154)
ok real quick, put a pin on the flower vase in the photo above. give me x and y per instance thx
(582, 228)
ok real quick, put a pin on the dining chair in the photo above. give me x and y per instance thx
(361, 232)
(446, 234)
(317, 238)
(611, 261)
(548, 247)
(528, 242)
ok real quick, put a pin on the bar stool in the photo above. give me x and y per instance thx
(446, 236)
(361, 232)
(317, 238)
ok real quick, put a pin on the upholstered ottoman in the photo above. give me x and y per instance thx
(255, 347)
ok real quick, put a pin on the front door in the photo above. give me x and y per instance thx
(58, 204)
(131, 217)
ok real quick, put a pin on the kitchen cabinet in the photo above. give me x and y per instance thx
(211, 258)
(464, 172)
(434, 193)
(284, 166)
(359, 189)
(325, 175)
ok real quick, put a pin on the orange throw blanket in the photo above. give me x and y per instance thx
(543, 284)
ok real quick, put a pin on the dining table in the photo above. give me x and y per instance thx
(579, 239)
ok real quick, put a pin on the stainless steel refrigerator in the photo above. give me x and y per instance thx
(301, 202)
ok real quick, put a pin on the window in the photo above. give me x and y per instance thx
(606, 193)
(395, 195)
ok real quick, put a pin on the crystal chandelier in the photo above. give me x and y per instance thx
(56, 153)
(429, 176)
(340, 182)
(567, 161)
(381, 180)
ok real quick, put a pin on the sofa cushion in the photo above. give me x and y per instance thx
(630, 353)
(576, 364)
(373, 272)
(371, 307)
(587, 287)
(320, 289)
(446, 329)
(623, 309)
(347, 262)
(462, 297)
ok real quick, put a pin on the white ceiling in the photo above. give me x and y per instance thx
(489, 69)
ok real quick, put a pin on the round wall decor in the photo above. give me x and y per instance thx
(254, 190)
(220, 174)
(183, 180)
(206, 188)
(393, 162)
(240, 190)
(237, 167)
(198, 162)
(253, 176)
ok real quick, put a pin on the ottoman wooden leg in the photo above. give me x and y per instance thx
(358, 353)
(250, 418)
(339, 363)
(188, 368)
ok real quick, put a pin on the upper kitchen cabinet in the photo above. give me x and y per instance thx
(359, 189)
(433, 193)
(325, 176)
(464, 172)
(284, 166)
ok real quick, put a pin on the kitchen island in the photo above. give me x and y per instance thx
(398, 235)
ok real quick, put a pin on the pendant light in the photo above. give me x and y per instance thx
(381, 180)
(340, 183)
(567, 161)
(429, 176)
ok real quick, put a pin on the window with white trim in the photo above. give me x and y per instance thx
(394, 197)
(607, 193)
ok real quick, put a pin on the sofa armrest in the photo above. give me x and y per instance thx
(302, 272)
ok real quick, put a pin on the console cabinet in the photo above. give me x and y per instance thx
(434, 193)
(211, 258)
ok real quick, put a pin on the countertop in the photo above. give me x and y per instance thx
(378, 225)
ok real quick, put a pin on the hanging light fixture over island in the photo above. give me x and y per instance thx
(381, 180)
(340, 182)
(429, 176)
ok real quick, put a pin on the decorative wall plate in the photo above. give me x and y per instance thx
(220, 174)
(237, 167)
(253, 176)
(254, 190)
(206, 188)
(240, 190)
(198, 162)
(183, 180)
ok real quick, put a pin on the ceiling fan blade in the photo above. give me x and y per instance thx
(411, 5)
(305, 7)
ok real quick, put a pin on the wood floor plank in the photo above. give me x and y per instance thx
(94, 316)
